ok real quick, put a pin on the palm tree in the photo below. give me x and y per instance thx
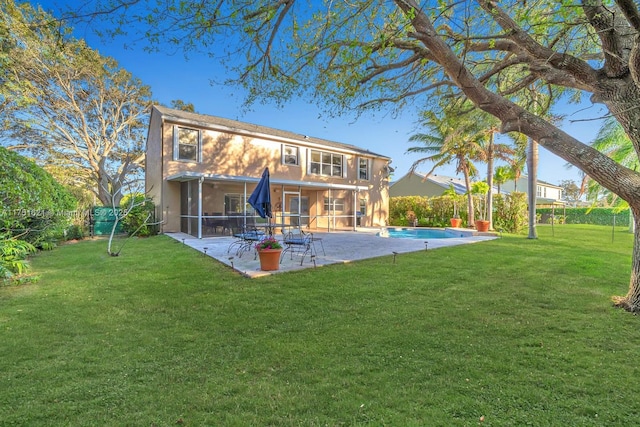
(501, 175)
(517, 164)
(488, 153)
(614, 142)
(532, 168)
(454, 137)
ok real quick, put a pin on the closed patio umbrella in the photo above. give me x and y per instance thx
(260, 199)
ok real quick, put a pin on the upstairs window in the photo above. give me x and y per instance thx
(364, 169)
(326, 164)
(186, 144)
(290, 155)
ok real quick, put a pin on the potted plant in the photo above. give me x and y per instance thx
(269, 251)
(481, 188)
(412, 219)
(456, 221)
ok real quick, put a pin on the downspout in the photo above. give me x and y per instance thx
(354, 195)
(200, 181)
(244, 208)
(329, 216)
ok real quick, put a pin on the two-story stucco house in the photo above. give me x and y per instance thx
(201, 169)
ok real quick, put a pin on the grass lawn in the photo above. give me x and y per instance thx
(516, 331)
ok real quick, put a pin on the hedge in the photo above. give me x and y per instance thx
(34, 206)
(596, 216)
(509, 212)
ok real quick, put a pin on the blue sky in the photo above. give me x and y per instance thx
(173, 77)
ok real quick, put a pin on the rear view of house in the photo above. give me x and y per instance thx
(200, 171)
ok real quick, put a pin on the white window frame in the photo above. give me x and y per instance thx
(362, 208)
(327, 163)
(286, 155)
(176, 144)
(366, 169)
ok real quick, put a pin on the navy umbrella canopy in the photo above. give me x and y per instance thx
(260, 199)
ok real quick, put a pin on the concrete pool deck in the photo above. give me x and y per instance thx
(339, 247)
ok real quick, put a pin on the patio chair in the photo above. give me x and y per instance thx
(297, 242)
(217, 222)
(245, 241)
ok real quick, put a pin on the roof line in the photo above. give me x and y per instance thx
(235, 126)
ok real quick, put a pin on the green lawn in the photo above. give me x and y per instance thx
(520, 332)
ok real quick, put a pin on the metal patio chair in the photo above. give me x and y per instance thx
(245, 241)
(297, 242)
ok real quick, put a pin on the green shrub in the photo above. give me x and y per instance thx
(13, 254)
(138, 212)
(75, 232)
(595, 216)
(429, 211)
(34, 205)
(510, 212)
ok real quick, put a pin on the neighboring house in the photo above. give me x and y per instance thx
(546, 194)
(201, 169)
(415, 184)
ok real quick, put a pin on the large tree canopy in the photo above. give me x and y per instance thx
(366, 53)
(68, 105)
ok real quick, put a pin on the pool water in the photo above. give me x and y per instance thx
(418, 233)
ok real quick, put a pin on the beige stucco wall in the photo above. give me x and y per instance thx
(153, 163)
(246, 155)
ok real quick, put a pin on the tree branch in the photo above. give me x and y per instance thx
(615, 36)
(404, 95)
(381, 69)
(580, 70)
(630, 11)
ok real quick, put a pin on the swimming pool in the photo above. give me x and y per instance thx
(421, 233)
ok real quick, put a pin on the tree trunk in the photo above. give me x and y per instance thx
(532, 182)
(490, 181)
(631, 302)
(109, 192)
(470, 215)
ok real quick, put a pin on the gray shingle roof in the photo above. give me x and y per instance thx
(446, 181)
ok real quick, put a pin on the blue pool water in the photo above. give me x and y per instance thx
(418, 233)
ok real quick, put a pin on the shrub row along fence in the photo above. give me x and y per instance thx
(595, 216)
(509, 212)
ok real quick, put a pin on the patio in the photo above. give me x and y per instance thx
(339, 247)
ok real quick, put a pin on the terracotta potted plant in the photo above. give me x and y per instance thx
(456, 221)
(269, 251)
(412, 218)
(481, 188)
